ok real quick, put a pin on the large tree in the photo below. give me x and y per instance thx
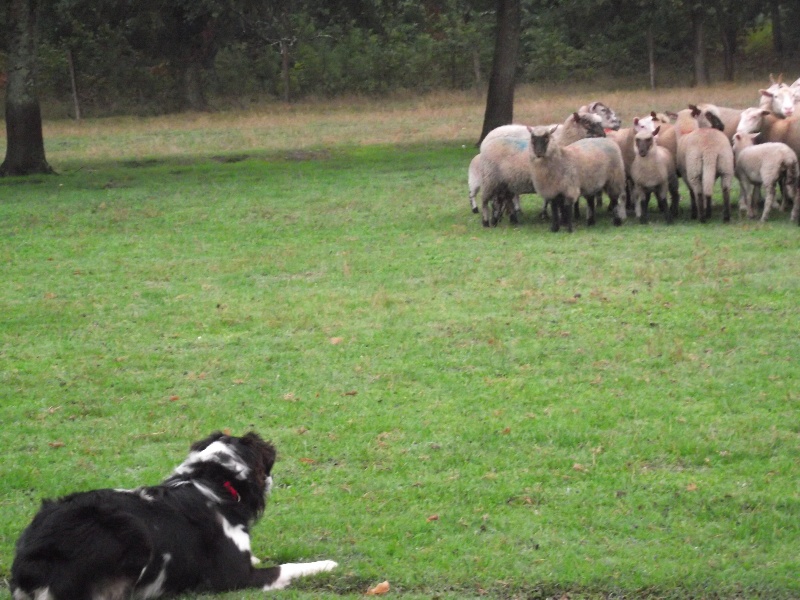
(500, 97)
(24, 142)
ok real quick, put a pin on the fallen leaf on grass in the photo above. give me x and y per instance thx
(336, 340)
(379, 589)
(579, 467)
(433, 518)
(308, 461)
(350, 393)
(56, 444)
(692, 487)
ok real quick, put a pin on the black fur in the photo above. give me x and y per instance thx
(118, 544)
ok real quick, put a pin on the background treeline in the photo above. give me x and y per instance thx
(150, 56)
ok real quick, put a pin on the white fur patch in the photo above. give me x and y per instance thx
(155, 589)
(206, 491)
(220, 453)
(291, 571)
(236, 534)
(38, 594)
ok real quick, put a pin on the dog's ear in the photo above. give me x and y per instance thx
(205, 443)
(264, 449)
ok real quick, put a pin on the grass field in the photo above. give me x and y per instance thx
(504, 413)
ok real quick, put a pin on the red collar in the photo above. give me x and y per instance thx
(229, 486)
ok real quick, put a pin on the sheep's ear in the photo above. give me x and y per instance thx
(738, 136)
(635, 121)
(576, 117)
(656, 130)
(766, 93)
(764, 113)
(553, 128)
(753, 136)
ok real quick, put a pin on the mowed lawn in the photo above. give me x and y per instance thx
(464, 412)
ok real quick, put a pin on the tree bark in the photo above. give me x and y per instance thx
(777, 32)
(651, 56)
(75, 101)
(500, 97)
(700, 67)
(24, 138)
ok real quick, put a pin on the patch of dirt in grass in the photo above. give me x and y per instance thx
(301, 155)
(231, 158)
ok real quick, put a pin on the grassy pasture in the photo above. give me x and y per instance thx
(463, 412)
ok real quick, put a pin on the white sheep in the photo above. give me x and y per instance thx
(703, 154)
(727, 117)
(779, 99)
(653, 171)
(505, 173)
(667, 136)
(764, 165)
(561, 174)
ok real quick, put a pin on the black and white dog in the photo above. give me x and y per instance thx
(189, 533)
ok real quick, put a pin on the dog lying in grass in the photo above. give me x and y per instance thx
(191, 532)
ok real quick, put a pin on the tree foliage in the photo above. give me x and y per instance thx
(149, 56)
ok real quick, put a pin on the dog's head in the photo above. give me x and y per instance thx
(230, 469)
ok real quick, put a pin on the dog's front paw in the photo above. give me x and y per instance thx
(291, 571)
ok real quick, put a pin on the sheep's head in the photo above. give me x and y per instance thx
(751, 120)
(645, 140)
(742, 140)
(541, 139)
(608, 117)
(591, 123)
(778, 98)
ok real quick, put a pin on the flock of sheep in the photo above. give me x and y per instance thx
(589, 155)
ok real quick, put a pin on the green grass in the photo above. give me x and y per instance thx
(609, 412)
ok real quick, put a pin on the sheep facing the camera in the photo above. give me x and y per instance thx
(653, 171)
(763, 165)
(505, 172)
(561, 174)
(704, 154)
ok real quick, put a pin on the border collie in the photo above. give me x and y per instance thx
(189, 533)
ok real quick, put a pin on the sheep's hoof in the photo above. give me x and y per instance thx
(617, 221)
(485, 223)
(475, 210)
(590, 221)
(514, 218)
(554, 228)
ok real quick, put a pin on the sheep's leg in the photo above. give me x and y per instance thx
(577, 209)
(693, 200)
(485, 209)
(555, 206)
(644, 217)
(590, 201)
(620, 213)
(566, 212)
(675, 195)
(752, 196)
(769, 198)
(517, 205)
(784, 195)
(663, 206)
(544, 215)
(726, 202)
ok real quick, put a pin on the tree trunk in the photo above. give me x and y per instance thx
(24, 141)
(777, 32)
(193, 88)
(700, 67)
(284, 46)
(729, 47)
(651, 56)
(500, 97)
(476, 67)
(75, 101)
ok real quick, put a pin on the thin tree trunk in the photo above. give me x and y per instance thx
(651, 56)
(777, 31)
(75, 102)
(285, 70)
(701, 78)
(476, 67)
(24, 139)
(500, 97)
